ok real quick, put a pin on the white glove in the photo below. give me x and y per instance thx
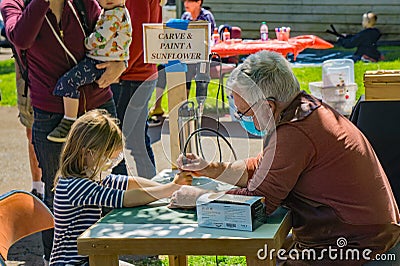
(186, 197)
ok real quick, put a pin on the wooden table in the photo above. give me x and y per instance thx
(294, 45)
(156, 229)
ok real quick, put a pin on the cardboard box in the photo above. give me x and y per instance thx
(227, 211)
(382, 85)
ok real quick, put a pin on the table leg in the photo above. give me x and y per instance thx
(103, 260)
(175, 260)
(254, 261)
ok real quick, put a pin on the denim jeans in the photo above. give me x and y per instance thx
(131, 99)
(48, 154)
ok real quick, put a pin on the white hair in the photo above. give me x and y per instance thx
(262, 75)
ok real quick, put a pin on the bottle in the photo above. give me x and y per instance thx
(226, 35)
(215, 37)
(264, 31)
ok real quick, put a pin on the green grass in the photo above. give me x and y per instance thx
(162, 260)
(7, 83)
(210, 260)
(305, 75)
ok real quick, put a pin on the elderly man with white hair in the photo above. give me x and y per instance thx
(315, 162)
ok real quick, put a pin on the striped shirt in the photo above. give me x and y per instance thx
(77, 206)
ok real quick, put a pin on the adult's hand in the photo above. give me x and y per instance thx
(114, 69)
(193, 163)
(186, 197)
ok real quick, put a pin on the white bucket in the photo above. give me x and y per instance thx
(341, 98)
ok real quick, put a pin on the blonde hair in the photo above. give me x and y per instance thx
(94, 134)
(369, 19)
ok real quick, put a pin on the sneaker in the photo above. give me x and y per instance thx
(154, 121)
(156, 112)
(59, 134)
(37, 194)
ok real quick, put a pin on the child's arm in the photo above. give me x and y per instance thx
(183, 178)
(140, 182)
(143, 195)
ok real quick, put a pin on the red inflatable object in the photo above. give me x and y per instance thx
(294, 45)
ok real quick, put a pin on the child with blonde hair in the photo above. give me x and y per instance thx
(94, 146)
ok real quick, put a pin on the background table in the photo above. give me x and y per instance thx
(294, 45)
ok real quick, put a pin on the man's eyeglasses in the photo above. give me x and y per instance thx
(242, 116)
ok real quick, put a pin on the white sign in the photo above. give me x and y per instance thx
(162, 44)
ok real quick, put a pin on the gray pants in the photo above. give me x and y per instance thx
(131, 99)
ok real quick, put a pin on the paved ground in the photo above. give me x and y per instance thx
(15, 174)
(5, 53)
(14, 162)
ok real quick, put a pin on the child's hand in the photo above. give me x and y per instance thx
(183, 178)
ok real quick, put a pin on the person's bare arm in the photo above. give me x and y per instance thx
(142, 196)
(182, 178)
(139, 182)
(137, 194)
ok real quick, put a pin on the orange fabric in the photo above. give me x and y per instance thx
(312, 41)
(294, 45)
(21, 214)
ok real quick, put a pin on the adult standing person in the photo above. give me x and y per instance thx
(46, 29)
(133, 92)
(26, 118)
(315, 162)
